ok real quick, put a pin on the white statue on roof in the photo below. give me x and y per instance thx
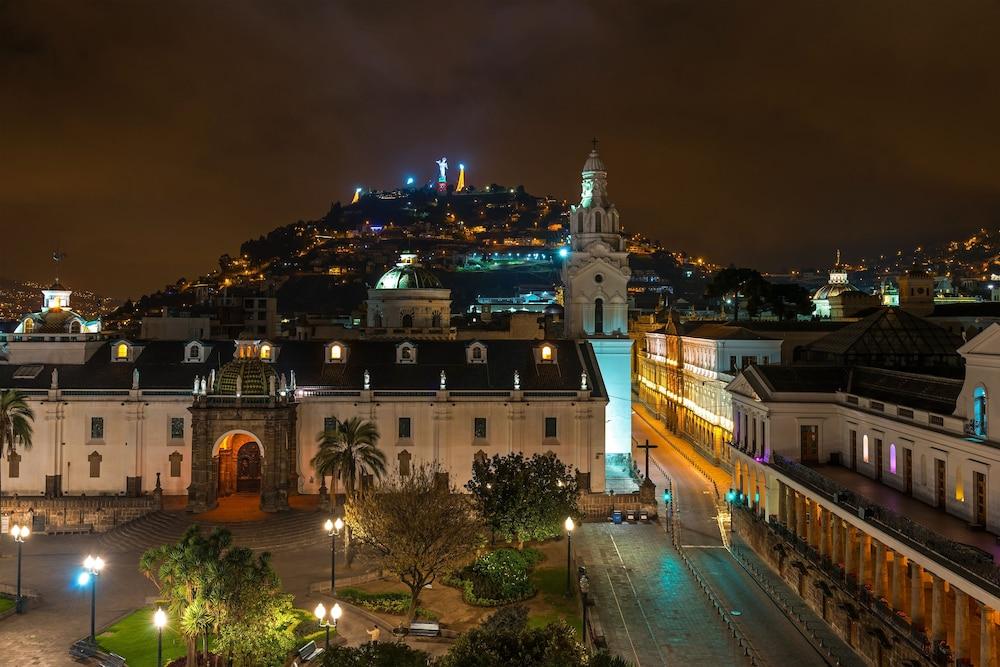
(444, 381)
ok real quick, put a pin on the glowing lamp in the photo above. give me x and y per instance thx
(564, 252)
(338, 525)
(83, 579)
(320, 611)
(328, 526)
(569, 525)
(160, 618)
(336, 612)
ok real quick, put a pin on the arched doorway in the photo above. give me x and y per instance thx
(237, 460)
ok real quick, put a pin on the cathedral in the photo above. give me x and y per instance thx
(209, 418)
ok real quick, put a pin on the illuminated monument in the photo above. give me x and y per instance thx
(461, 178)
(595, 277)
(442, 179)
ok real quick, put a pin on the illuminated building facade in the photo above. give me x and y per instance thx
(682, 373)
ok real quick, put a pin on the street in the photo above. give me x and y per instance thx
(653, 608)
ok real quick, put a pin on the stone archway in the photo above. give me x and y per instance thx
(221, 429)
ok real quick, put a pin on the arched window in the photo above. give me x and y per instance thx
(265, 351)
(436, 320)
(579, 223)
(29, 325)
(979, 406)
(407, 321)
(121, 351)
(336, 352)
(864, 448)
(599, 316)
(74, 327)
(378, 320)
(477, 352)
(405, 353)
(598, 222)
(892, 458)
(546, 353)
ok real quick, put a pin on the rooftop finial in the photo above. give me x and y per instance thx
(593, 142)
(838, 257)
(57, 257)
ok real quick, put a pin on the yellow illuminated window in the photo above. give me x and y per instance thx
(546, 353)
(29, 325)
(336, 353)
(265, 351)
(122, 351)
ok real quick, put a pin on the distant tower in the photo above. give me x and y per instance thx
(461, 178)
(595, 277)
(357, 196)
(916, 291)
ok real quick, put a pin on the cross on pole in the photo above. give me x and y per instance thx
(647, 447)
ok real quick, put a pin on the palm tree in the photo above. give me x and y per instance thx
(347, 451)
(16, 420)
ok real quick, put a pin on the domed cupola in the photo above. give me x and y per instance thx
(248, 374)
(408, 274)
(409, 301)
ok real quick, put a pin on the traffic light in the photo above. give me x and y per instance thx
(666, 496)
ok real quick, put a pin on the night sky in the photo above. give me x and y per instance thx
(147, 138)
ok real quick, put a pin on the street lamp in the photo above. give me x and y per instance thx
(569, 526)
(159, 620)
(584, 589)
(20, 534)
(92, 567)
(335, 613)
(333, 529)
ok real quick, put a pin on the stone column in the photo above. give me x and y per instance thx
(937, 609)
(987, 636)
(961, 625)
(864, 555)
(917, 595)
(800, 516)
(814, 533)
(878, 583)
(898, 590)
(782, 504)
(793, 517)
(837, 533)
(850, 551)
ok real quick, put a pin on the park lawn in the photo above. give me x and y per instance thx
(134, 638)
(550, 604)
(6, 604)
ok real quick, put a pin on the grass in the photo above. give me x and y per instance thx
(550, 582)
(6, 604)
(134, 638)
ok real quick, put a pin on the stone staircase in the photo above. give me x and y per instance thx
(290, 530)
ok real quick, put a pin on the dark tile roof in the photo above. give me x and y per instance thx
(800, 378)
(160, 367)
(889, 331)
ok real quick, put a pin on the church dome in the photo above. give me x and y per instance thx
(408, 276)
(834, 289)
(256, 377)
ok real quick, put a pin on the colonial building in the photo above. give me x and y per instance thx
(870, 471)
(682, 375)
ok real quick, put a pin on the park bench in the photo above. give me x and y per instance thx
(82, 649)
(309, 652)
(424, 629)
(112, 660)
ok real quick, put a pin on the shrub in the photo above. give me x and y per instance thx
(389, 654)
(386, 603)
(497, 578)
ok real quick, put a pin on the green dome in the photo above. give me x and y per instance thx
(256, 376)
(408, 276)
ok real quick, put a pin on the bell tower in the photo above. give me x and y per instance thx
(595, 277)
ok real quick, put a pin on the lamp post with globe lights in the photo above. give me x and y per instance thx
(328, 621)
(92, 569)
(20, 534)
(333, 529)
(569, 526)
(159, 620)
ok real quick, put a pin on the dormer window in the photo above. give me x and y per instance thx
(121, 351)
(546, 353)
(265, 352)
(336, 353)
(29, 325)
(406, 353)
(194, 353)
(475, 353)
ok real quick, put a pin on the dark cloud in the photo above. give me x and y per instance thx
(146, 138)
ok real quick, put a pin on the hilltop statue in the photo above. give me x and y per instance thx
(443, 168)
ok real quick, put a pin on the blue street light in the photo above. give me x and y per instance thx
(666, 496)
(564, 252)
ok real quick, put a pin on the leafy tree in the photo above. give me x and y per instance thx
(419, 528)
(391, 654)
(789, 301)
(222, 592)
(522, 498)
(16, 425)
(733, 283)
(347, 451)
(505, 639)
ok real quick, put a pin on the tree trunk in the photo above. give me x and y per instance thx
(414, 602)
(191, 644)
(204, 645)
(348, 547)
